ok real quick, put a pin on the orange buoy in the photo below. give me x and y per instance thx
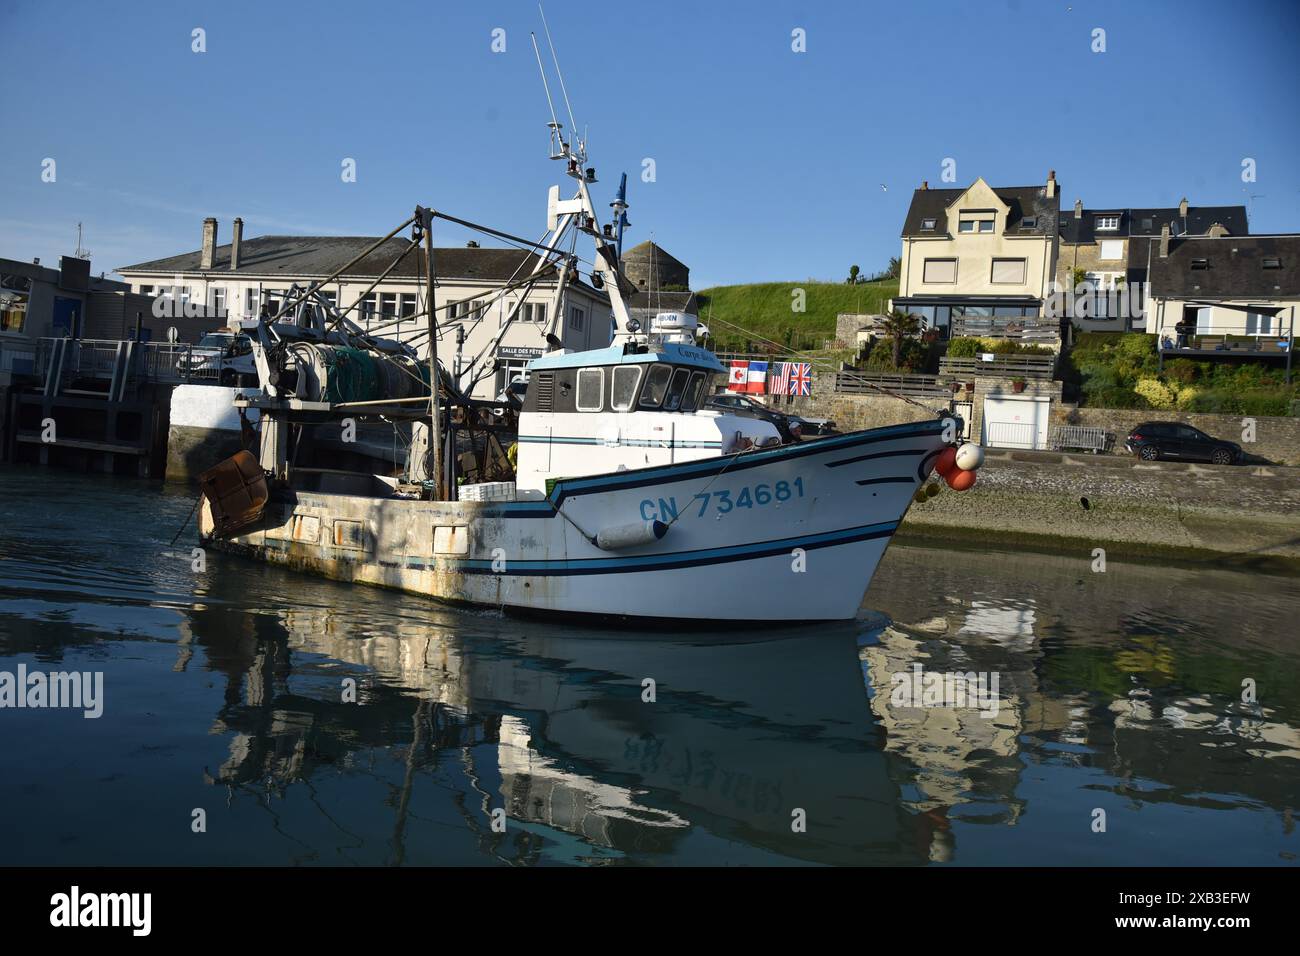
(959, 480)
(946, 463)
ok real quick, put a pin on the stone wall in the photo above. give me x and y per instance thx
(1277, 439)
(1127, 506)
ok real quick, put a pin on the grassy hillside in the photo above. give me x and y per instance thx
(763, 310)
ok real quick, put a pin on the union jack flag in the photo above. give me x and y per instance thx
(792, 378)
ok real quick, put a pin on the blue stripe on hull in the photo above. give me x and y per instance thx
(680, 559)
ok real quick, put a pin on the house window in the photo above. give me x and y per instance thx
(367, 307)
(577, 318)
(388, 304)
(975, 222)
(591, 384)
(15, 292)
(1107, 223)
(1029, 222)
(534, 312)
(1272, 262)
(626, 379)
(1200, 265)
(1147, 225)
(217, 298)
(1112, 249)
(1259, 323)
(332, 298)
(1010, 271)
(410, 305)
(250, 301)
(940, 270)
(927, 225)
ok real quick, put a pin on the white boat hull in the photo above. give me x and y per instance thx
(780, 535)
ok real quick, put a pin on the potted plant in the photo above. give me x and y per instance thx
(970, 386)
(1017, 384)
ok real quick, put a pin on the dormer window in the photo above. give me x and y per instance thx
(927, 225)
(975, 222)
(1107, 223)
(1272, 262)
(1029, 222)
(1200, 265)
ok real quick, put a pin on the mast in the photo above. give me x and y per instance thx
(425, 218)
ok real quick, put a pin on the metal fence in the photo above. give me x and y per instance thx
(1081, 438)
(163, 362)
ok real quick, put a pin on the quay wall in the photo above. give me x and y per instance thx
(1242, 515)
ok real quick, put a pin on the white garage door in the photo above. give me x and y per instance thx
(1015, 422)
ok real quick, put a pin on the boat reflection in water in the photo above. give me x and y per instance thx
(553, 727)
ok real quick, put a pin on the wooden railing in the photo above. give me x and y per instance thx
(1002, 366)
(872, 383)
(1007, 327)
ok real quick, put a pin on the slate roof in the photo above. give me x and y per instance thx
(1234, 268)
(1147, 222)
(1023, 201)
(319, 256)
(649, 251)
(664, 302)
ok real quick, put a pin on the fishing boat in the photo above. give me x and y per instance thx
(614, 491)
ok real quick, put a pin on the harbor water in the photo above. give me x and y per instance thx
(1141, 714)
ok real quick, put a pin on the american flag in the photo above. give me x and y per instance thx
(792, 378)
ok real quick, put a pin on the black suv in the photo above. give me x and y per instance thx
(1151, 441)
(789, 427)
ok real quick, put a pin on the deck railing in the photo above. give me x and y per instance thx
(1001, 366)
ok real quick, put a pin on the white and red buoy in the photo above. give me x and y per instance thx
(957, 466)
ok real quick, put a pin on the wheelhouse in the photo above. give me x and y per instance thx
(622, 379)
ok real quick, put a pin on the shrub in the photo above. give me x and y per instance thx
(964, 347)
(1156, 393)
(1181, 370)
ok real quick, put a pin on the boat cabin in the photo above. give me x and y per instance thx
(623, 407)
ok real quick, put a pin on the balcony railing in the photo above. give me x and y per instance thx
(1002, 366)
(161, 362)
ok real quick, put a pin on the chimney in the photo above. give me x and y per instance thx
(1078, 209)
(1164, 241)
(1051, 184)
(238, 235)
(1182, 208)
(209, 251)
(925, 184)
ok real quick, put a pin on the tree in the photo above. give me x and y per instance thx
(895, 267)
(898, 326)
(853, 275)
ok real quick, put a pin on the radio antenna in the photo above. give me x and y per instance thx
(558, 72)
(555, 123)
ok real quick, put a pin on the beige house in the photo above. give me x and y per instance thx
(979, 259)
(232, 281)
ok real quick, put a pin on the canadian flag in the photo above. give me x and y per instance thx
(738, 377)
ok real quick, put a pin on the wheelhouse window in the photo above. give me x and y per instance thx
(694, 391)
(623, 393)
(591, 386)
(656, 384)
(676, 388)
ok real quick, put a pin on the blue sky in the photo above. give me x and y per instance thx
(770, 164)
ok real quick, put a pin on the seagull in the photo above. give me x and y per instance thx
(884, 187)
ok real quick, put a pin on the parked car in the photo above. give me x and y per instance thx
(223, 357)
(1152, 441)
(790, 427)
